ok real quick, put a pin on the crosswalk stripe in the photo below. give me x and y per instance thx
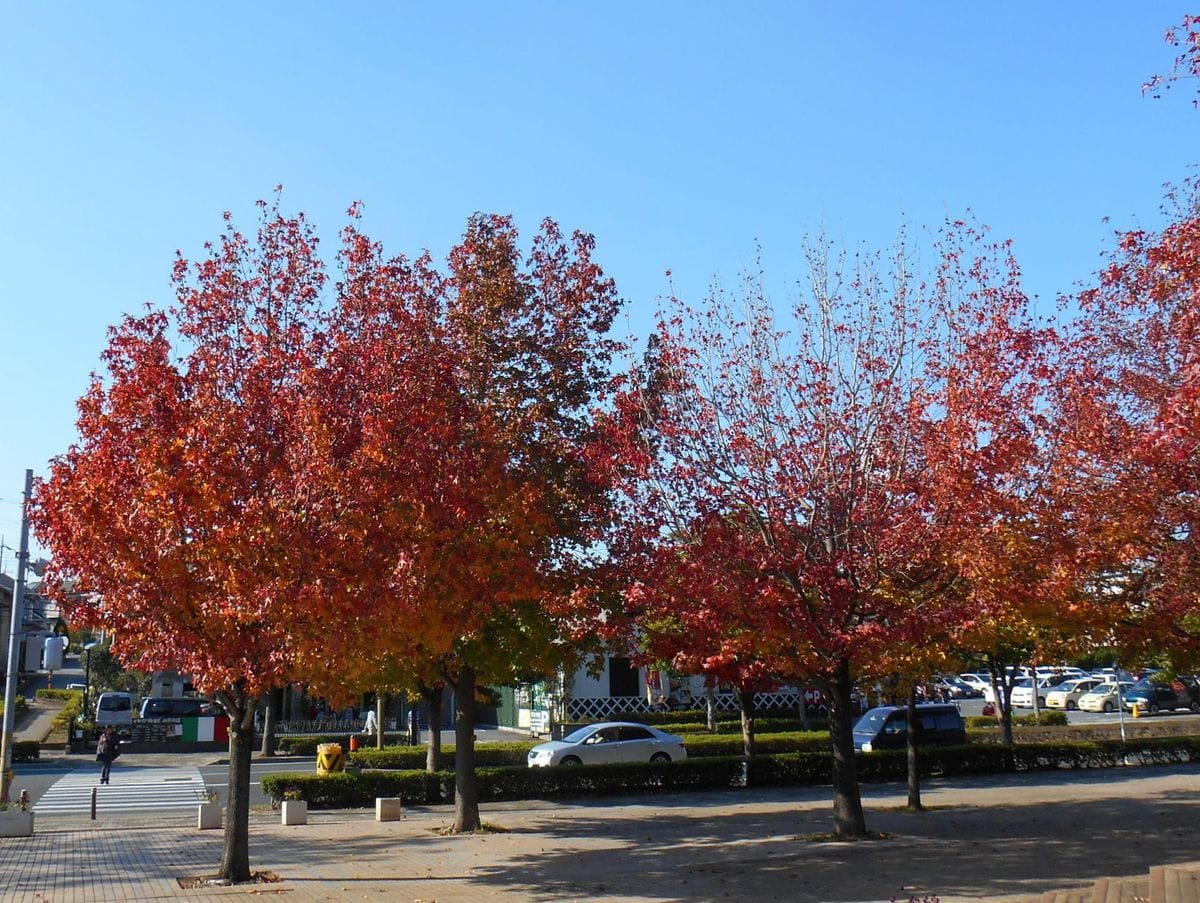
(132, 789)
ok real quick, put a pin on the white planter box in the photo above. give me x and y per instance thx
(295, 812)
(388, 808)
(15, 823)
(208, 816)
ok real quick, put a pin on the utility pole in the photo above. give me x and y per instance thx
(16, 625)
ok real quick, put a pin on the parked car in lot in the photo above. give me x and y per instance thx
(1022, 694)
(1103, 698)
(978, 681)
(951, 687)
(1152, 697)
(609, 741)
(1066, 695)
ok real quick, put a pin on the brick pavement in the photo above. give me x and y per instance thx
(996, 838)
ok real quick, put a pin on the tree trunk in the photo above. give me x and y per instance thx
(746, 704)
(804, 709)
(914, 771)
(379, 707)
(466, 790)
(269, 702)
(848, 819)
(235, 859)
(433, 701)
(710, 701)
(1002, 693)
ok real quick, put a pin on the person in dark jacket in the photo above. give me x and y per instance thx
(107, 751)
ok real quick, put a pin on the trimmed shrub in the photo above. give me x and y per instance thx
(486, 755)
(350, 790)
(347, 790)
(26, 750)
(700, 745)
(66, 695)
(1046, 718)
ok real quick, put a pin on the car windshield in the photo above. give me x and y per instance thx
(578, 735)
(872, 721)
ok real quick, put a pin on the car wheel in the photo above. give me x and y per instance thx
(1071, 706)
(571, 760)
(1108, 707)
(1041, 703)
(1194, 708)
(1152, 708)
(660, 757)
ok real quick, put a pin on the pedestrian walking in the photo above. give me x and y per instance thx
(107, 750)
(372, 723)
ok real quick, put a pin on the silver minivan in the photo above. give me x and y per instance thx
(114, 709)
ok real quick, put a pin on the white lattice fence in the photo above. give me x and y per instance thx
(599, 708)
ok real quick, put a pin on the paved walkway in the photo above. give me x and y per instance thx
(995, 838)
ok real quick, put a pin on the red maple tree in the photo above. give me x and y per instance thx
(1136, 427)
(178, 519)
(803, 487)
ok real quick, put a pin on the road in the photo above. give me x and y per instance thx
(139, 783)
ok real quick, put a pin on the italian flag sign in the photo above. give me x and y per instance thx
(210, 728)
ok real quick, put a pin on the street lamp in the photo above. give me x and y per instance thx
(87, 679)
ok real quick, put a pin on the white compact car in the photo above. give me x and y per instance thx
(610, 741)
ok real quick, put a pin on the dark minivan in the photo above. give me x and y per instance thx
(178, 707)
(886, 727)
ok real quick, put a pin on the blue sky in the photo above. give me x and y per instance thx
(682, 135)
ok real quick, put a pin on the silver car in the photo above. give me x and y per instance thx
(610, 741)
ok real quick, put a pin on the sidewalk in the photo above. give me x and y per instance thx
(996, 838)
(35, 723)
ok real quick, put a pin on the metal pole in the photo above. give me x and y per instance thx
(15, 630)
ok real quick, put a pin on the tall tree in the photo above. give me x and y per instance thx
(1136, 428)
(821, 471)
(507, 506)
(175, 511)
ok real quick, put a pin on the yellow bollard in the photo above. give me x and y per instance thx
(1137, 710)
(330, 758)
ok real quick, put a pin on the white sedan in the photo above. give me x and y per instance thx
(609, 741)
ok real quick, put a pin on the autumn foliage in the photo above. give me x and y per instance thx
(383, 483)
(798, 495)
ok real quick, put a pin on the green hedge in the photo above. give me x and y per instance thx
(701, 745)
(772, 725)
(1047, 718)
(486, 755)
(699, 718)
(66, 695)
(20, 705)
(349, 790)
(26, 750)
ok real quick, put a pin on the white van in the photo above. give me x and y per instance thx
(115, 710)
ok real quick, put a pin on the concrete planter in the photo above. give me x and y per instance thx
(388, 808)
(295, 812)
(209, 816)
(15, 823)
